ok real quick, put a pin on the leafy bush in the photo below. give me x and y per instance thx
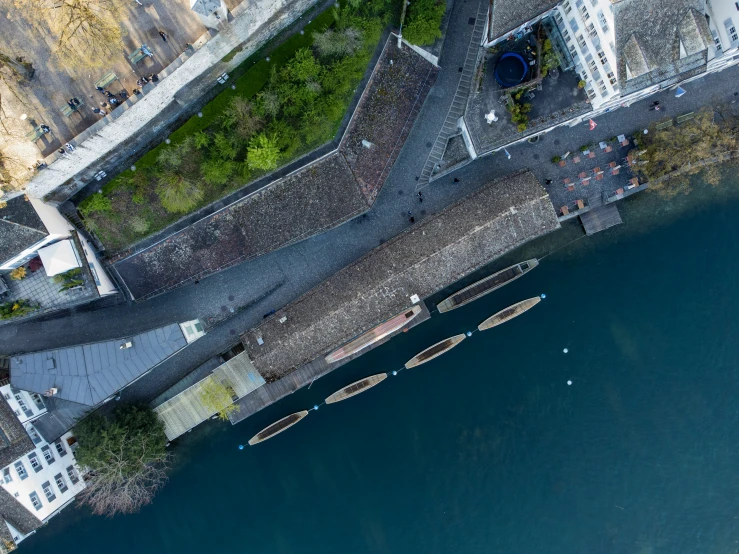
(18, 273)
(556, 159)
(95, 203)
(423, 21)
(178, 194)
(217, 172)
(69, 279)
(240, 118)
(17, 308)
(138, 224)
(263, 152)
(330, 43)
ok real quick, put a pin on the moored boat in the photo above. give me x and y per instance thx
(434, 351)
(373, 335)
(509, 313)
(277, 427)
(486, 285)
(357, 387)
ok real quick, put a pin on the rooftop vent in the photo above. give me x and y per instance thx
(51, 392)
(283, 319)
(126, 345)
(415, 299)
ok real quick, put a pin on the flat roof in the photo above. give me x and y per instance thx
(510, 14)
(422, 260)
(89, 373)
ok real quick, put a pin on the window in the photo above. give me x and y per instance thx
(558, 18)
(591, 93)
(61, 483)
(72, 474)
(35, 463)
(582, 43)
(603, 22)
(732, 33)
(602, 87)
(602, 57)
(35, 500)
(574, 26)
(34, 435)
(7, 396)
(584, 13)
(566, 7)
(611, 78)
(60, 449)
(566, 35)
(573, 51)
(593, 65)
(591, 30)
(47, 454)
(39, 402)
(48, 492)
(6, 475)
(21, 470)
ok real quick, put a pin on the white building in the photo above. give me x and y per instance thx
(38, 479)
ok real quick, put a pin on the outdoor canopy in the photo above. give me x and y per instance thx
(59, 257)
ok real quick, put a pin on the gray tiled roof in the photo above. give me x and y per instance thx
(14, 441)
(90, 373)
(20, 227)
(658, 40)
(510, 14)
(60, 417)
(14, 513)
(427, 257)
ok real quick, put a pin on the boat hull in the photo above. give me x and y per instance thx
(373, 335)
(357, 387)
(487, 285)
(434, 351)
(277, 427)
(508, 313)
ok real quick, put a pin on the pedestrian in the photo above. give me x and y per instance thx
(136, 91)
(163, 35)
(189, 46)
(420, 199)
(70, 103)
(412, 219)
(100, 89)
(109, 94)
(69, 146)
(45, 128)
(103, 104)
(76, 101)
(548, 181)
(62, 153)
(113, 101)
(409, 213)
(100, 112)
(154, 77)
(123, 94)
(456, 179)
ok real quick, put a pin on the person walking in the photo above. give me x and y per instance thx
(163, 35)
(76, 101)
(100, 112)
(69, 146)
(62, 153)
(45, 128)
(456, 179)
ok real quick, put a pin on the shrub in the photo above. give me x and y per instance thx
(521, 127)
(138, 224)
(95, 203)
(240, 118)
(18, 273)
(556, 159)
(581, 84)
(35, 264)
(223, 147)
(263, 152)
(17, 308)
(336, 44)
(424, 21)
(178, 194)
(217, 172)
(268, 103)
(202, 139)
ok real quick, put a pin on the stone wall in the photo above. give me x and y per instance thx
(133, 132)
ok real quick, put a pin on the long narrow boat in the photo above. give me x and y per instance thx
(486, 285)
(277, 427)
(373, 335)
(357, 387)
(434, 351)
(509, 313)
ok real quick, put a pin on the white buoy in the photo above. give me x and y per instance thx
(469, 333)
(315, 407)
(543, 296)
(395, 372)
(566, 350)
(569, 382)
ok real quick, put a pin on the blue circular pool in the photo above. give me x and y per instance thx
(510, 70)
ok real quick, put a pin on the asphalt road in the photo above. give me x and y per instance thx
(272, 281)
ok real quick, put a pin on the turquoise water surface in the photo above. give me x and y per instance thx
(488, 449)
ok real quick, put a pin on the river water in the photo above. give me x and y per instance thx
(488, 449)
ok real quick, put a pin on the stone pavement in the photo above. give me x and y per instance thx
(272, 281)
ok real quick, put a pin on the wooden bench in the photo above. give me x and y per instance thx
(106, 79)
(580, 204)
(68, 110)
(139, 54)
(35, 134)
(564, 210)
(685, 117)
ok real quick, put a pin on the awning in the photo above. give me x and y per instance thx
(59, 257)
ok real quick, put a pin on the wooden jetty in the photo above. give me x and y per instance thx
(600, 218)
(373, 335)
(277, 427)
(508, 313)
(434, 351)
(357, 387)
(486, 285)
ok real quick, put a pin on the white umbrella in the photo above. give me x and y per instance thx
(58, 258)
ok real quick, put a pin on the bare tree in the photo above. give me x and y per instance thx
(86, 32)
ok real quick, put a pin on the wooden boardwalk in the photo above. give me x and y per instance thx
(600, 218)
(272, 392)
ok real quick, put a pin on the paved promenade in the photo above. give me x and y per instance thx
(272, 281)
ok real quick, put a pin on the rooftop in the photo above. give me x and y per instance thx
(427, 257)
(509, 14)
(90, 373)
(659, 39)
(16, 514)
(14, 440)
(20, 227)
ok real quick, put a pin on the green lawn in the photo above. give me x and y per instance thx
(280, 110)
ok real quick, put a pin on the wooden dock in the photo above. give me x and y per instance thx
(270, 393)
(600, 218)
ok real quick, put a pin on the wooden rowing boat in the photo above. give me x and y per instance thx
(277, 427)
(486, 285)
(373, 335)
(357, 387)
(509, 313)
(434, 351)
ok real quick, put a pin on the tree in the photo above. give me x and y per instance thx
(87, 32)
(330, 43)
(424, 21)
(239, 117)
(124, 459)
(217, 172)
(263, 152)
(217, 396)
(19, 68)
(269, 102)
(177, 193)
